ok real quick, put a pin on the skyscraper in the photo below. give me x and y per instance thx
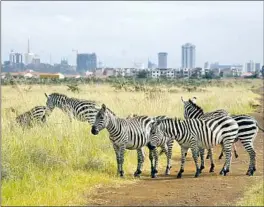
(188, 55)
(162, 56)
(250, 67)
(86, 61)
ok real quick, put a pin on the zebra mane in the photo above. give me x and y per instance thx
(111, 112)
(195, 105)
(59, 94)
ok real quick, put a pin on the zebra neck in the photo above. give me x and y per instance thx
(113, 126)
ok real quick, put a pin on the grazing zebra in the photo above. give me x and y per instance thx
(36, 115)
(129, 133)
(247, 130)
(197, 134)
(80, 109)
(163, 142)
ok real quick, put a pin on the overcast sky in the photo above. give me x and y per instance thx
(123, 32)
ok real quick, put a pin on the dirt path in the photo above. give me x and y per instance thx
(209, 189)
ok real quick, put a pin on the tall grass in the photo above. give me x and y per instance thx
(61, 163)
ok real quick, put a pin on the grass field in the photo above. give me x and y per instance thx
(62, 163)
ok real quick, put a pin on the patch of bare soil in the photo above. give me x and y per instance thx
(209, 189)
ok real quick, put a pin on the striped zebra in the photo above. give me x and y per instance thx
(197, 134)
(163, 142)
(36, 115)
(79, 109)
(128, 133)
(247, 130)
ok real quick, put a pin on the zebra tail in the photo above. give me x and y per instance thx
(260, 127)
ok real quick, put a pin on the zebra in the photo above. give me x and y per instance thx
(191, 110)
(126, 133)
(79, 109)
(197, 134)
(36, 115)
(247, 130)
(165, 144)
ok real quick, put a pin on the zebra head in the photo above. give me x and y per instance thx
(191, 110)
(101, 120)
(156, 135)
(55, 100)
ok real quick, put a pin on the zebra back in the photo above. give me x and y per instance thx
(80, 109)
(34, 115)
(193, 111)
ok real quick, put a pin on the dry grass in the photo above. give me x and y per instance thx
(61, 163)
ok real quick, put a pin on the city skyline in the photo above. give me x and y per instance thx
(226, 31)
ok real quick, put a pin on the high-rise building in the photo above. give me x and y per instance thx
(15, 58)
(250, 67)
(188, 55)
(86, 62)
(257, 66)
(206, 65)
(28, 56)
(162, 57)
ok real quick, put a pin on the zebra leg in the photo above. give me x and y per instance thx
(252, 155)
(183, 158)
(154, 171)
(168, 152)
(119, 169)
(195, 153)
(201, 150)
(222, 153)
(208, 155)
(211, 160)
(228, 153)
(141, 157)
(234, 149)
(121, 162)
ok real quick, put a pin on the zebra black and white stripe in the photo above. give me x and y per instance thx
(36, 115)
(128, 133)
(79, 109)
(163, 142)
(247, 130)
(197, 134)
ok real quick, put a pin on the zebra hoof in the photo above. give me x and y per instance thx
(220, 157)
(225, 172)
(154, 175)
(236, 155)
(207, 157)
(197, 174)
(212, 168)
(250, 172)
(179, 175)
(137, 173)
(121, 174)
(167, 172)
(221, 172)
(201, 169)
(254, 168)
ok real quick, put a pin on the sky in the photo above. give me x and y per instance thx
(121, 33)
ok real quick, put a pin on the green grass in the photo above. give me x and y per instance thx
(253, 197)
(63, 163)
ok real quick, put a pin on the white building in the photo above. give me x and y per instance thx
(188, 55)
(29, 58)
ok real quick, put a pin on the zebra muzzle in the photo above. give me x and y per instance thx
(151, 147)
(94, 130)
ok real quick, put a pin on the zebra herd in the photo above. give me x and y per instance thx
(198, 131)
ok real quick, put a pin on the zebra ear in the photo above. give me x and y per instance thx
(194, 99)
(104, 107)
(46, 95)
(182, 99)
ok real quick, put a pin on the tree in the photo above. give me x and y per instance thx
(142, 74)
